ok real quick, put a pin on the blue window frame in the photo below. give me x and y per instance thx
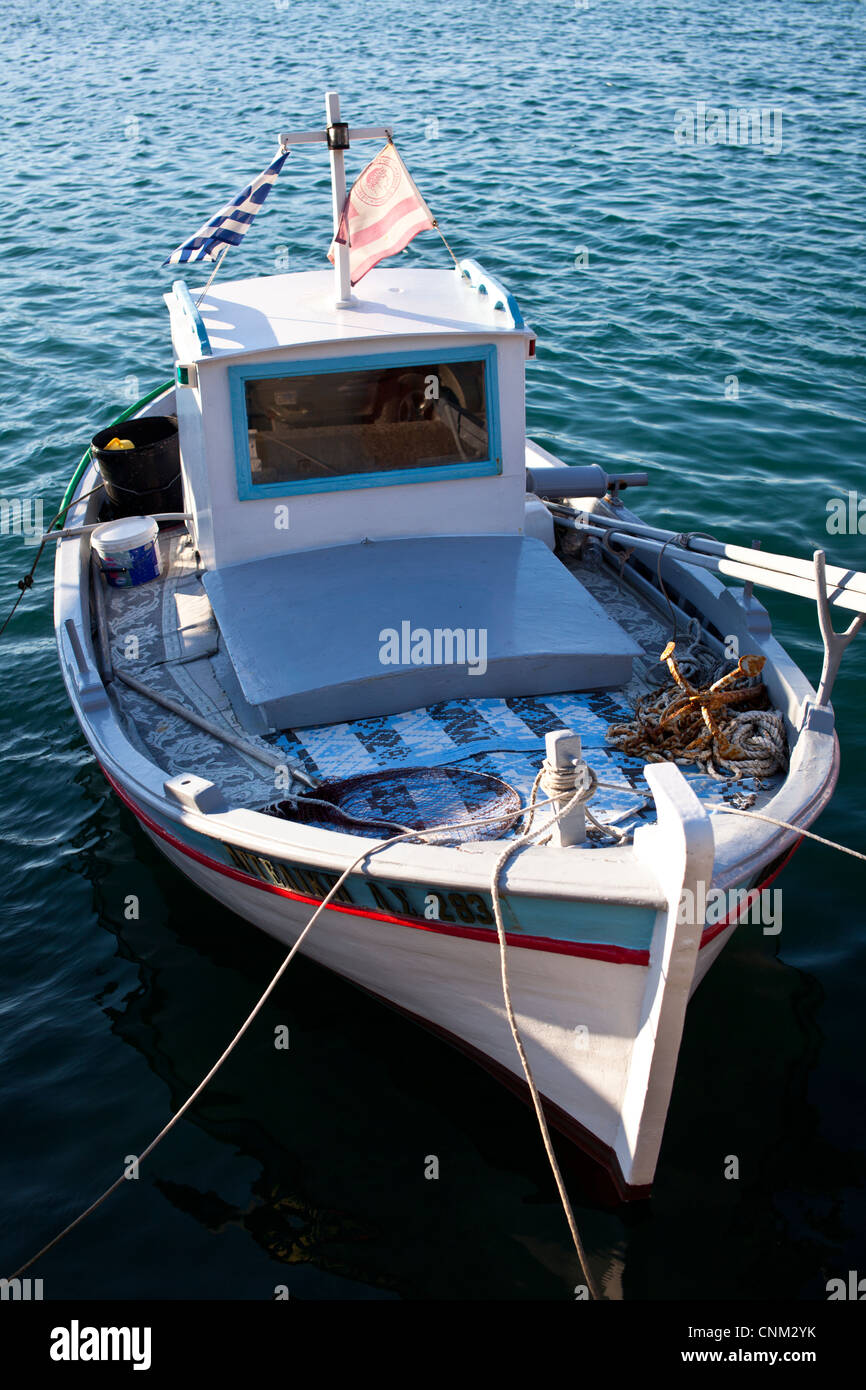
(242, 382)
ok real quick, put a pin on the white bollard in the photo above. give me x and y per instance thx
(565, 759)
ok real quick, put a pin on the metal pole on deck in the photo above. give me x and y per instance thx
(345, 298)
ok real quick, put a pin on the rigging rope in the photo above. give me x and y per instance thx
(27, 581)
(68, 497)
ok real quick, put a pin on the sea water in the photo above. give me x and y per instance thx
(674, 192)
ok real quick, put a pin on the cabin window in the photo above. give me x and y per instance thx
(313, 426)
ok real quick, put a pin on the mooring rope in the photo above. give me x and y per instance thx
(562, 780)
(582, 794)
(786, 825)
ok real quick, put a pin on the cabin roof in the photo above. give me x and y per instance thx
(540, 629)
(296, 310)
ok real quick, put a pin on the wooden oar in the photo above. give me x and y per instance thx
(797, 577)
(764, 559)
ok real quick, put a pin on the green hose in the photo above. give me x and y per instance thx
(87, 455)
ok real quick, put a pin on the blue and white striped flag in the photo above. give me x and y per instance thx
(231, 223)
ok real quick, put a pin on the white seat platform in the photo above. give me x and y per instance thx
(307, 632)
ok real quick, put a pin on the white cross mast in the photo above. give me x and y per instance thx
(337, 137)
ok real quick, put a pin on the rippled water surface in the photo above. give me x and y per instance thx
(700, 315)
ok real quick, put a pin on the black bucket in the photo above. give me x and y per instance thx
(146, 478)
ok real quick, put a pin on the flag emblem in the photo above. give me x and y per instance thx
(381, 215)
(379, 181)
(229, 226)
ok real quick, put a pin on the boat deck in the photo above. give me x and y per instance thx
(164, 634)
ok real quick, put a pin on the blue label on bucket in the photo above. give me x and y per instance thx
(126, 568)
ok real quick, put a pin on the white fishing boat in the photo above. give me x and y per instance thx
(377, 607)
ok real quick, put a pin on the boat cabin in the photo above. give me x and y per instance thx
(356, 478)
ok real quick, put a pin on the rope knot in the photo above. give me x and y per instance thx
(558, 781)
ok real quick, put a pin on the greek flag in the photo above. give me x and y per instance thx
(230, 224)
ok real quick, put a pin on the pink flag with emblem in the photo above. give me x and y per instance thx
(382, 213)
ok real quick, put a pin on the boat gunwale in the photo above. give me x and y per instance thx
(609, 874)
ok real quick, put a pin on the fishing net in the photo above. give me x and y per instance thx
(410, 799)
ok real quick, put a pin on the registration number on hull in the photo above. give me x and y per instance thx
(396, 900)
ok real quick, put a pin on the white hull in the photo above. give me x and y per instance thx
(601, 1035)
(455, 985)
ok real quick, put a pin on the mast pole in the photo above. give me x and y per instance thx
(343, 284)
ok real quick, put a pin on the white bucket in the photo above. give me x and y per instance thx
(127, 550)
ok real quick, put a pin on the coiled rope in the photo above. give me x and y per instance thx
(559, 781)
(685, 723)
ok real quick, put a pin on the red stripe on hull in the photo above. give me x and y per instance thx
(733, 917)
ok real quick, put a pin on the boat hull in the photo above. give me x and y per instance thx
(580, 1006)
(452, 985)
